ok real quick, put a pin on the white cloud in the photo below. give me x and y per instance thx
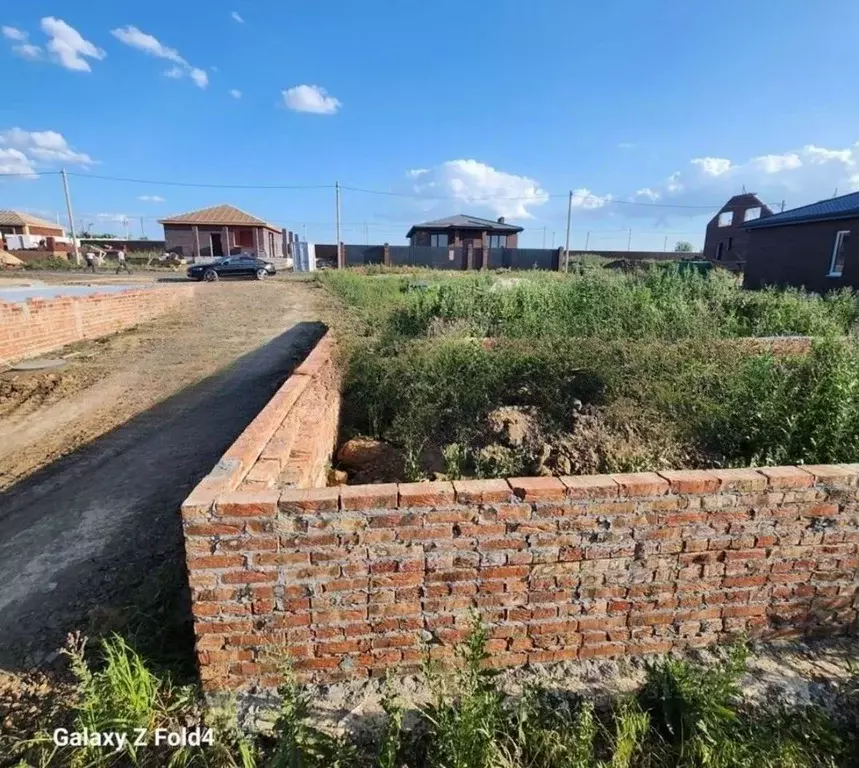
(13, 33)
(674, 184)
(235, 93)
(310, 98)
(647, 193)
(626, 145)
(152, 46)
(587, 201)
(199, 76)
(712, 166)
(236, 17)
(481, 185)
(777, 163)
(151, 199)
(15, 161)
(27, 51)
(68, 48)
(416, 172)
(45, 146)
(819, 155)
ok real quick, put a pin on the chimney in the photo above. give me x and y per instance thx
(500, 219)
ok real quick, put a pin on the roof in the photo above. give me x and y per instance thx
(844, 207)
(219, 215)
(463, 221)
(20, 219)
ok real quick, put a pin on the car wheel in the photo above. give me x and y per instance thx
(210, 276)
(261, 274)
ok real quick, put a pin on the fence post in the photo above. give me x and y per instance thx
(469, 256)
(386, 255)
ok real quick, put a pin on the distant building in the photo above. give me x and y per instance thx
(815, 246)
(727, 240)
(222, 230)
(460, 231)
(19, 223)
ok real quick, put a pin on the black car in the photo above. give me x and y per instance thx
(232, 266)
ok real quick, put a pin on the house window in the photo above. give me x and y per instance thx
(836, 265)
(730, 243)
(719, 251)
(498, 241)
(438, 241)
(726, 218)
(752, 213)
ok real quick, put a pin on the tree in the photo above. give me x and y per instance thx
(684, 246)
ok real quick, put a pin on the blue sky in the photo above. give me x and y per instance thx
(653, 112)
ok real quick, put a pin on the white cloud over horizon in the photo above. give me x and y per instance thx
(152, 199)
(235, 93)
(235, 16)
(43, 146)
(310, 98)
(152, 46)
(481, 186)
(67, 46)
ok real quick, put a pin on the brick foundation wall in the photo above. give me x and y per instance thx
(352, 581)
(37, 326)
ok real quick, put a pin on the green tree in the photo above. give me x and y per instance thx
(684, 246)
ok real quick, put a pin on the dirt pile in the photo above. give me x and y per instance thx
(32, 389)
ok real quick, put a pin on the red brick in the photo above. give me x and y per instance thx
(247, 504)
(787, 477)
(382, 496)
(691, 481)
(538, 488)
(216, 561)
(481, 491)
(296, 501)
(747, 480)
(834, 475)
(426, 494)
(247, 577)
(590, 486)
(641, 484)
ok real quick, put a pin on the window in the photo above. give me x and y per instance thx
(498, 241)
(726, 218)
(719, 251)
(730, 243)
(836, 265)
(438, 241)
(752, 213)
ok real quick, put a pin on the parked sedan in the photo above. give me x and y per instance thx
(232, 266)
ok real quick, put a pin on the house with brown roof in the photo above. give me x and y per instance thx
(222, 230)
(20, 223)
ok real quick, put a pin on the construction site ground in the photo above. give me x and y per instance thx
(96, 458)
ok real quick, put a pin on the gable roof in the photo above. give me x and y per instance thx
(20, 219)
(463, 221)
(745, 200)
(219, 215)
(843, 207)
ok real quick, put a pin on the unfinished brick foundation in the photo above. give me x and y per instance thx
(352, 581)
(37, 326)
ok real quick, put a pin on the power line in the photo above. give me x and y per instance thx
(153, 182)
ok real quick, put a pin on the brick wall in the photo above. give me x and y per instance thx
(37, 326)
(354, 580)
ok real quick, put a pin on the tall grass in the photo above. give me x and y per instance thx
(684, 715)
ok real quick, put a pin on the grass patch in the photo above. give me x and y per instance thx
(684, 714)
(621, 372)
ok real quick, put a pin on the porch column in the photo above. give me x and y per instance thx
(256, 242)
(225, 236)
(196, 241)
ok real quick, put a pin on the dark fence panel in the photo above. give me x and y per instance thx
(358, 255)
(427, 256)
(523, 258)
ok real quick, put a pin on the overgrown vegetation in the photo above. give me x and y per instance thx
(684, 714)
(615, 372)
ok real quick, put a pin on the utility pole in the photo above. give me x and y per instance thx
(142, 229)
(339, 249)
(304, 231)
(587, 241)
(665, 245)
(71, 218)
(567, 241)
(782, 206)
(629, 241)
(553, 239)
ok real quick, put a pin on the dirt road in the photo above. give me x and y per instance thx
(97, 461)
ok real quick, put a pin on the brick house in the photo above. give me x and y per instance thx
(727, 238)
(461, 230)
(19, 223)
(812, 246)
(222, 230)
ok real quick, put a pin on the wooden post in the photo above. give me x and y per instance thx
(197, 242)
(225, 236)
(386, 255)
